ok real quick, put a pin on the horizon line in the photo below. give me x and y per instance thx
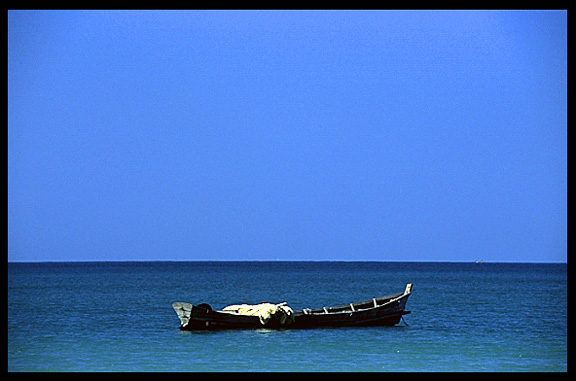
(285, 260)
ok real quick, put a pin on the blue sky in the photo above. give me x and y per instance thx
(290, 135)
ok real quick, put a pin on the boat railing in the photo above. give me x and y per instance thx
(370, 304)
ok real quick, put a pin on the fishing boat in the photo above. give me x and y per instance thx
(383, 311)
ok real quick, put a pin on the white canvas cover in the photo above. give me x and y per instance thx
(264, 311)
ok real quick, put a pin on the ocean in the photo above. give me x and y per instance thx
(117, 316)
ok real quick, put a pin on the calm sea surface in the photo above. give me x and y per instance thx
(118, 317)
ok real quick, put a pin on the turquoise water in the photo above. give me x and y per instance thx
(118, 317)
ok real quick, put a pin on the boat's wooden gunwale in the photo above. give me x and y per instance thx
(355, 307)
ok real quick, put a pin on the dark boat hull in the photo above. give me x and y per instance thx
(384, 311)
(202, 319)
(386, 315)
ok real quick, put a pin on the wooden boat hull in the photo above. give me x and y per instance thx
(344, 316)
(384, 311)
(203, 318)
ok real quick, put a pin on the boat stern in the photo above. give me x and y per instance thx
(184, 312)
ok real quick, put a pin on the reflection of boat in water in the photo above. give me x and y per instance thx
(383, 311)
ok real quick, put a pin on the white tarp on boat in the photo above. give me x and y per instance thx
(264, 311)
